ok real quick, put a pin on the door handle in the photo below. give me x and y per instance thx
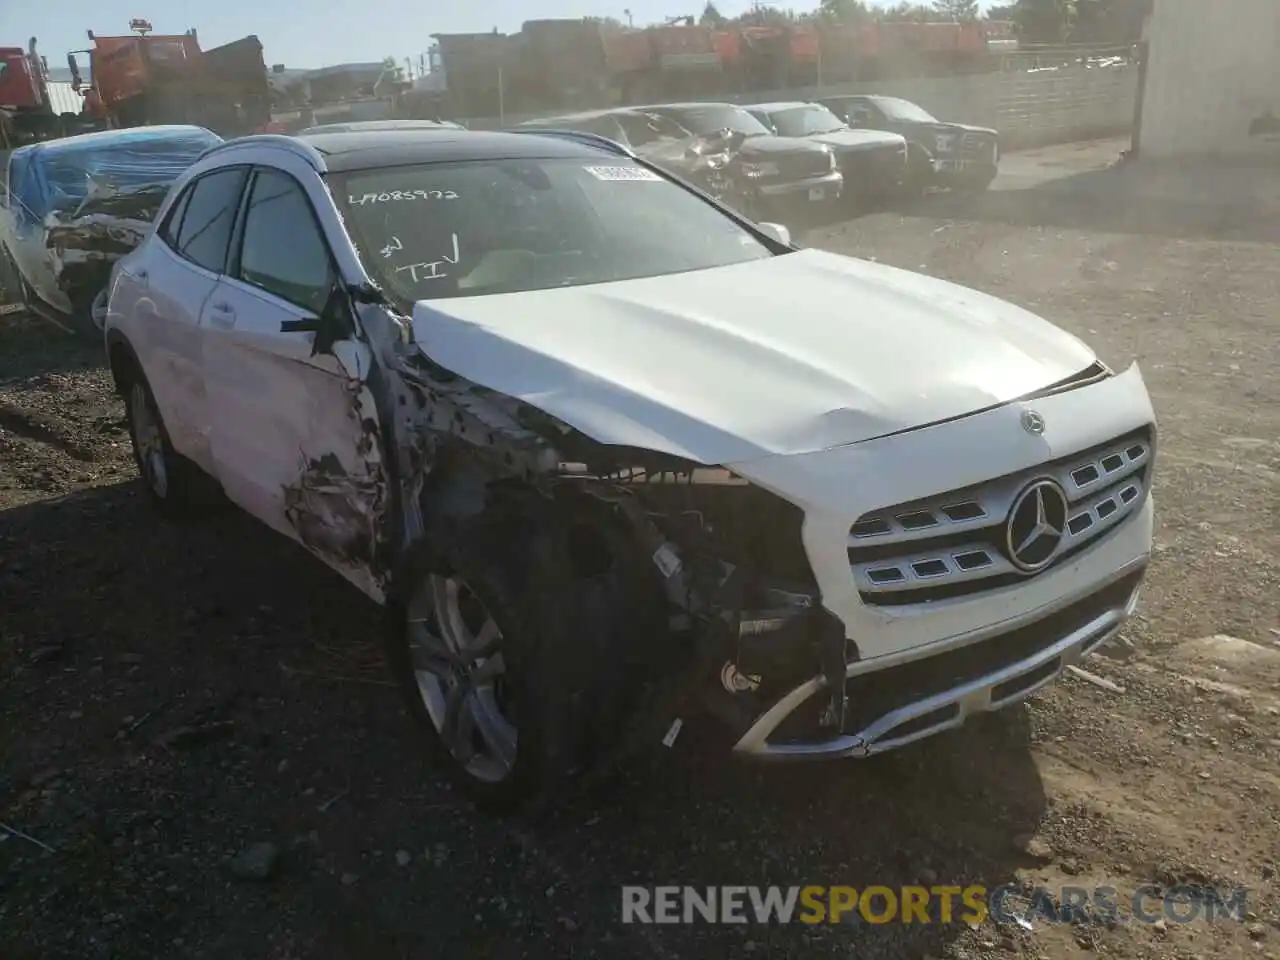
(222, 314)
(142, 275)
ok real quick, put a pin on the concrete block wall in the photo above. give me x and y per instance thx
(1029, 108)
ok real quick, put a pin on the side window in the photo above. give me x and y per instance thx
(210, 213)
(173, 222)
(284, 251)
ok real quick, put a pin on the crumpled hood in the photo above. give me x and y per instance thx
(847, 140)
(792, 354)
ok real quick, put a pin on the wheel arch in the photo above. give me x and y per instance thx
(122, 360)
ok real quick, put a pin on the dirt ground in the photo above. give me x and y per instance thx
(170, 697)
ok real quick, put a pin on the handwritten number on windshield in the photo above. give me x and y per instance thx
(433, 270)
(389, 196)
(392, 247)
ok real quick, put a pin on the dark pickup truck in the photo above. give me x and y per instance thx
(873, 162)
(943, 154)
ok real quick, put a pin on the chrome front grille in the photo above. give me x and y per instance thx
(958, 544)
(976, 144)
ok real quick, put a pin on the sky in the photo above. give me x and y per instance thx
(306, 35)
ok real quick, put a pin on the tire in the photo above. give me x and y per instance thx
(83, 319)
(543, 682)
(176, 487)
(919, 177)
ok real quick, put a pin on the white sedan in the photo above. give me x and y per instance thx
(606, 451)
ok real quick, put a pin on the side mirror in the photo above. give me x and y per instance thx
(333, 323)
(776, 231)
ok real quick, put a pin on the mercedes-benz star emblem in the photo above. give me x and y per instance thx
(1032, 422)
(1037, 521)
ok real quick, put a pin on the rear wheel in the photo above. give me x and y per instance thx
(175, 486)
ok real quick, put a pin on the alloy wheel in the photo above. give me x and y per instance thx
(149, 440)
(455, 649)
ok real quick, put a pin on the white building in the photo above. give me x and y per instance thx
(1213, 79)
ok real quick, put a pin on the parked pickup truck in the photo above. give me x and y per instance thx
(873, 162)
(942, 153)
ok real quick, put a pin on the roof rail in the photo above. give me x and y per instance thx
(582, 136)
(298, 147)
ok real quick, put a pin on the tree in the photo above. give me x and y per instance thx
(913, 12)
(844, 11)
(392, 71)
(1109, 21)
(1001, 11)
(961, 10)
(711, 17)
(1045, 21)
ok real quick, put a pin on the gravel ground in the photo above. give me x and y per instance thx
(171, 697)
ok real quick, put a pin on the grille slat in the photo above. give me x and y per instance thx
(954, 544)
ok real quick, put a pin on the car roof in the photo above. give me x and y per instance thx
(686, 105)
(398, 147)
(111, 138)
(360, 126)
(571, 117)
(585, 115)
(779, 105)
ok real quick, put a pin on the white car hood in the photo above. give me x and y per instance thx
(787, 355)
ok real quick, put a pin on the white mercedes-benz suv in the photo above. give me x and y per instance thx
(608, 454)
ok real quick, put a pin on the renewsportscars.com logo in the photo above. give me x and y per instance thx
(936, 904)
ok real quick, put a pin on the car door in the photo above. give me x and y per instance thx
(295, 435)
(164, 290)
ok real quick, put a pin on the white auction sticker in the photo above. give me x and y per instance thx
(622, 173)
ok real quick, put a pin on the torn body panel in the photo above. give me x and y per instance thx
(85, 242)
(335, 513)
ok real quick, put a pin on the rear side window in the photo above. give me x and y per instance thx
(205, 230)
(284, 251)
(173, 222)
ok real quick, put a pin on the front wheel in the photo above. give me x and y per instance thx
(514, 643)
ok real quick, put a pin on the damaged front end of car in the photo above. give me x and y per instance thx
(742, 624)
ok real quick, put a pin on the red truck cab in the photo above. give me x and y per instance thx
(21, 81)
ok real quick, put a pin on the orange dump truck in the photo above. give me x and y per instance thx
(161, 79)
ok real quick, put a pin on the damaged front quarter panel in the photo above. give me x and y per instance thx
(727, 553)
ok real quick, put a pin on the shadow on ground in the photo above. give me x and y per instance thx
(1241, 203)
(30, 347)
(170, 695)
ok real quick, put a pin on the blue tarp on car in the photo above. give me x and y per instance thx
(57, 175)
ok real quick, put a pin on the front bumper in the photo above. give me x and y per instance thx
(910, 698)
(901, 673)
(804, 191)
(948, 171)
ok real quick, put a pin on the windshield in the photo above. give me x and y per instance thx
(896, 109)
(503, 226)
(803, 121)
(715, 117)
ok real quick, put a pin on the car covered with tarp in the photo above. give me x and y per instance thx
(73, 207)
